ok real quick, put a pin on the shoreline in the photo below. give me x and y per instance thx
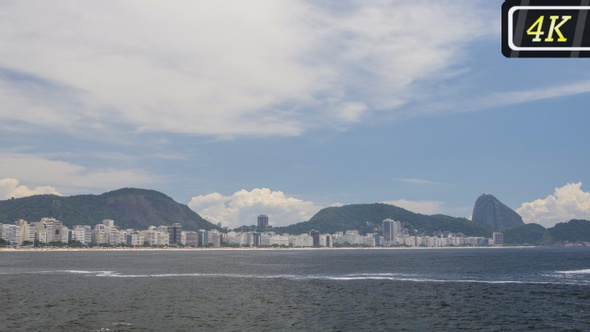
(258, 249)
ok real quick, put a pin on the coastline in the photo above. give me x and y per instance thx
(254, 249)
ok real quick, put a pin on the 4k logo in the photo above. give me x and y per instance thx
(536, 29)
(544, 28)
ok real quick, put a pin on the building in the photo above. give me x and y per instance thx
(191, 239)
(328, 241)
(263, 221)
(135, 239)
(99, 234)
(175, 234)
(498, 238)
(11, 234)
(377, 238)
(82, 234)
(214, 238)
(108, 222)
(315, 235)
(53, 229)
(156, 236)
(388, 234)
(391, 231)
(27, 233)
(203, 238)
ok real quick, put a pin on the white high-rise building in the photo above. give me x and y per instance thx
(82, 234)
(11, 233)
(27, 232)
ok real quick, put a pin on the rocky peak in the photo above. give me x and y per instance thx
(491, 213)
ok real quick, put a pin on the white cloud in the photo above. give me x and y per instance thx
(224, 68)
(518, 97)
(243, 207)
(11, 188)
(566, 203)
(424, 207)
(69, 177)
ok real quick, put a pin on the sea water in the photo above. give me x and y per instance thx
(530, 289)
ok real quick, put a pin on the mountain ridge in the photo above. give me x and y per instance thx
(489, 212)
(368, 218)
(140, 208)
(128, 207)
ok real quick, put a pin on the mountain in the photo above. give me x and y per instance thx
(527, 234)
(491, 213)
(574, 230)
(128, 207)
(368, 218)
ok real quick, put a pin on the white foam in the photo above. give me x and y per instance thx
(97, 273)
(587, 271)
(564, 279)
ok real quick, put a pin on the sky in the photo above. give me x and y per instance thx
(284, 107)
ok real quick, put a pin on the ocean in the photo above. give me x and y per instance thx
(479, 289)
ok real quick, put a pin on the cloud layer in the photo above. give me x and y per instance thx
(243, 208)
(10, 188)
(69, 177)
(566, 203)
(224, 68)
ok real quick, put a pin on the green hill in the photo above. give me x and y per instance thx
(574, 230)
(128, 207)
(367, 218)
(529, 234)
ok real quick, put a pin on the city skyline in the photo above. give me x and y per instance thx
(52, 232)
(284, 108)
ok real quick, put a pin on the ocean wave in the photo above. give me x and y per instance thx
(553, 278)
(587, 271)
(78, 271)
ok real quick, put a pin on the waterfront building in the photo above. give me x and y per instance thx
(191, 238)
(315, 235)
(203, 238)
(391, 231)
(302, 240)
(214, 238)
(498, 238)
(163, 238)
(279, 240)
(135, 239)
(27, 233)
(112, 235)
(377, 237)
(11, 233)
(257, 239)
(82, 234)
(122, 237)
(175, 234)
(56, 231)
(99, 234)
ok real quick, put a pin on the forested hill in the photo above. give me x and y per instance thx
(368, 218)
(128, 207)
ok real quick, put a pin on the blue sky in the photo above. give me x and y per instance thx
(285, 107)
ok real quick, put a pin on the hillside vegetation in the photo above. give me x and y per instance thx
(128, 207)
(574, 230)
(529, 234)
(367, 218)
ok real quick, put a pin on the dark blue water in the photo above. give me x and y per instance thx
(304, 290)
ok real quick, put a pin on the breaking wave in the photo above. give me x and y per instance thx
(549, 278)
(587, 271)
